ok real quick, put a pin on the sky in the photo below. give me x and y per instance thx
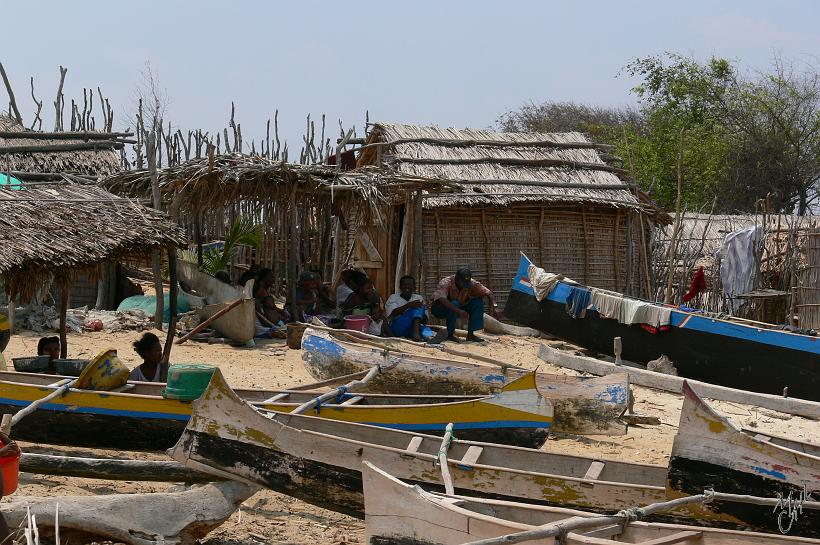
(456, 63)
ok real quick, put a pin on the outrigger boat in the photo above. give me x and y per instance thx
(744, 355)
(400, 513)
(319, 461)
(140, 418)
(582, 405)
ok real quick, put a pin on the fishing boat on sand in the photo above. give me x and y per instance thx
(401, 513)
(138, 417)
(319, 461)
(582, 405)
(744, 355)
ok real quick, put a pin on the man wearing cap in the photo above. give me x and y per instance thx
(459, 296)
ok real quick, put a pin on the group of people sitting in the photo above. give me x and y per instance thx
(403, 314)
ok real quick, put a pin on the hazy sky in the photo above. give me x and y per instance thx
(451, 63)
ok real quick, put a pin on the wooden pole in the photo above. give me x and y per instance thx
(12, 102)
(673, 241)
(112, 469)
(210, 320)
(172, 321)
(157, 202)
(295, 262)
(332, 394)
(63, 311)
(442, 459)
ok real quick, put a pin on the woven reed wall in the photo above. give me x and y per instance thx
(809, 290)
(587, 243)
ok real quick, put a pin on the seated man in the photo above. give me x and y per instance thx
(459, 296)
(405, 312)
(273, 326)
(313, 298)
(365, 301)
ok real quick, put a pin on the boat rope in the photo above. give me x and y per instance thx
(318, 406)
(341, 395)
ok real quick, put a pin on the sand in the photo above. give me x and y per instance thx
(268, 517)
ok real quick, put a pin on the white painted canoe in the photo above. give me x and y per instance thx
(400, 513)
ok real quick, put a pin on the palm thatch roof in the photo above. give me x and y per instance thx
(501, 168)
(54, 230)
(23, 151)
(208, 183)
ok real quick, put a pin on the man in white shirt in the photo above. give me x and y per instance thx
(405, 312)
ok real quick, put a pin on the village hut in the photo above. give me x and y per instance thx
(81, 156)
(58, 232)
(309, 213)
(549, 195)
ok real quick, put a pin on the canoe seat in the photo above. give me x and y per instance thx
(123, 388)
(352, 401)
(679, 537)
(414, 444)
(277, 397)
(594, 471)
(471, 456)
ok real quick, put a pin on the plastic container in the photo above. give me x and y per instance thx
(36, 364)
(294, 336)
(187, 381)
(69, 367)
(104, 372)
(357, 323)
(10, 469)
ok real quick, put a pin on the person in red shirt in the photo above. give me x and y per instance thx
(459, 296)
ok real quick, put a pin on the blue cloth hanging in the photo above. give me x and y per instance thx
(578, 301)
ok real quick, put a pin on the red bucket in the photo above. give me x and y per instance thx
(9, 464)
(357, 323)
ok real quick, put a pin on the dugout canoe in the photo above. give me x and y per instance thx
(582, 405)
(709, 451)
(404, 514)
(319, 461)
(140, 418)
(746, 356)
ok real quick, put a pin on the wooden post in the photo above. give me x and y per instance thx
(198, 238)
(419, 268)
(487, 251)
(615, 257)
(294, 259)
(442, 459)
(673, 241)
(157, 202)
(63, 311)
(586, 244)
(172, 321)
(617, 349)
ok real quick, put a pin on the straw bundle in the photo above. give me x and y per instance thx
(57, 230)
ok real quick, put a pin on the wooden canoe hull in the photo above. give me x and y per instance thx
(711, 452)
(398, 513)
(143, 421)
(319, 461)
(582, 406)
(239, 324)
(705, 349)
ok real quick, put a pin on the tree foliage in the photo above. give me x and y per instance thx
(748, 136)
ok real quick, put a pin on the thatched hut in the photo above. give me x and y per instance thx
(310, 213)
(35, 155)
(549, 195)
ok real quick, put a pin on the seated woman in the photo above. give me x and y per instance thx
(313, 298)
(150, 350)
(365, 301)
(273, 326)
(49, 346)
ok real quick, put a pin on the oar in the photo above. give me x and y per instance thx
(34, 405)
(210, 320)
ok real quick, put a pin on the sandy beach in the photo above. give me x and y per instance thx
(268, 517)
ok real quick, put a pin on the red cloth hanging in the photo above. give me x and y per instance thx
(698, 285)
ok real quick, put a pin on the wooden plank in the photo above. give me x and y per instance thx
(123, 388)
(372, 253)
(680, 537)
(669, 383)
(594, 471)
(277, 397)
(352, 401)
(414, 444)
(472, 454)
(117, 470)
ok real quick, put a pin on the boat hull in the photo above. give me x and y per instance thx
(714, 351)
(581, 405)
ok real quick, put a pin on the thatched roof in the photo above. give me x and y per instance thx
(51, 229)
(208, 183)
(501, 168)
(66, 152)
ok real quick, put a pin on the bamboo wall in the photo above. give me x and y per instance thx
(808, 293)
(598, 246)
